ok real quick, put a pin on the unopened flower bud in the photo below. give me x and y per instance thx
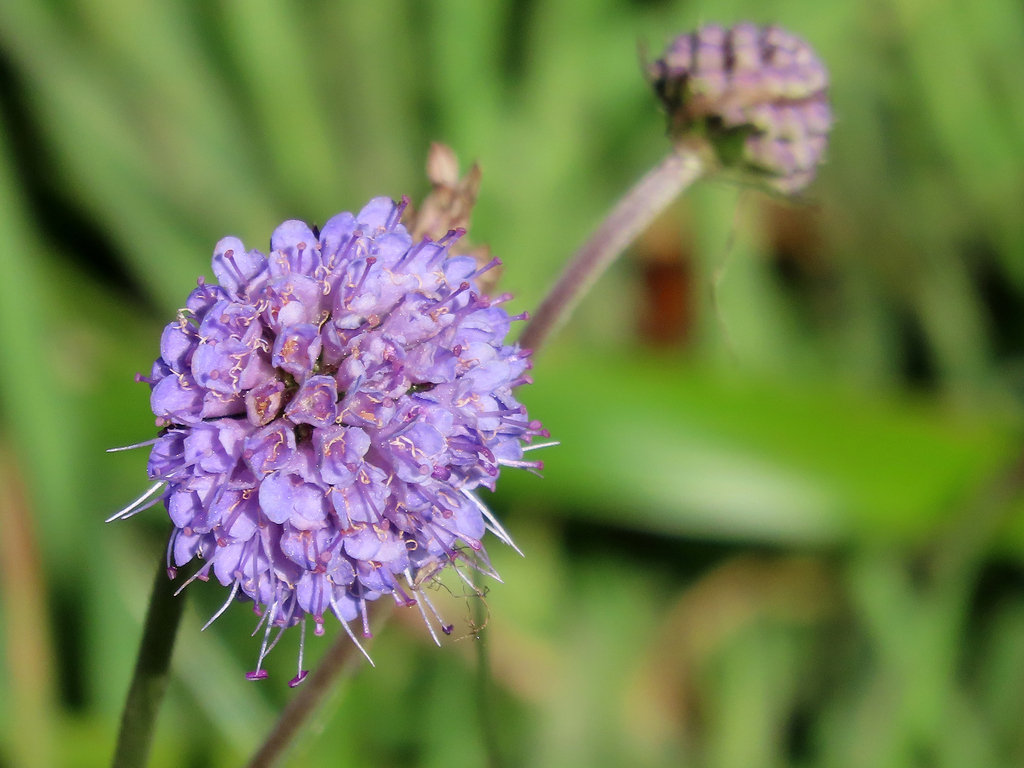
(759, 95)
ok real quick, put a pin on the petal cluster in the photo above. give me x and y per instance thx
(764, 86)
(327, 412)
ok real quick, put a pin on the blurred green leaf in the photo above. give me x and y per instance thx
(662, 445)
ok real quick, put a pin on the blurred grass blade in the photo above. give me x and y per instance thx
(32, 404)
(274, 55)
(30, 660)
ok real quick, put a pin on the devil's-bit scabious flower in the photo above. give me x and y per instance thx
(327, 413)
(759, 95)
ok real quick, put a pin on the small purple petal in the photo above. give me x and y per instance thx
(176, 346)
(295, 249)
(178, 399)
(218, 366)
(270, 449)
(286, 497)
(235, 267)
(341, 450)
(375, 214)
(263, 402)
(297, 349)
(315, 403)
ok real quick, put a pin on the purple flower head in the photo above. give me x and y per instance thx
(758, 94)
(327, 413)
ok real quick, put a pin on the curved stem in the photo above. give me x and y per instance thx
(341, 657)
(634, 212)
(152, 668)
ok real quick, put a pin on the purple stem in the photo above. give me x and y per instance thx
(634, 212)
(339, 660)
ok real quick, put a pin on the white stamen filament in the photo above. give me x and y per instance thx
(498, 530)
(348, 629)
(538, 446)
(130, 447)
(204, 571)
(126, 512)
(266, 635)
(517, 464)
(217, 615)
(433, 610)
(302, 641)
(263, 618)
(423, 613)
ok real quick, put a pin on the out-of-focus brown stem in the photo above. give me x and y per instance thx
(29, 647)
(630, 217)
(341, 659)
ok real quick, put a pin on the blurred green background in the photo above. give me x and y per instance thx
(784, 525)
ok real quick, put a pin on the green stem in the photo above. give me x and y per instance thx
(627, 221)
(484, 684)
(152, 669)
